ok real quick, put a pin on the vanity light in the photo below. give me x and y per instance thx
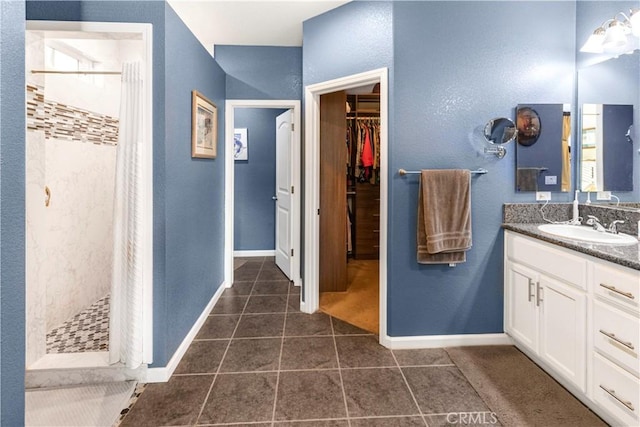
(615, 36)
(634, 20)
(594, 42)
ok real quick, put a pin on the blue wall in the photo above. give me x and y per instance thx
(188, 195)
(12, 213)
(446, 83)
(194, 188)
(261, 72)
(255, 181)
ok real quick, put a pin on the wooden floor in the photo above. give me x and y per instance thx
(359, 304)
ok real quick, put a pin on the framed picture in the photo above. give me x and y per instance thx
(204, 126)
(240, 148)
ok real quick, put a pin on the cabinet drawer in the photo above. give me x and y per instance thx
(568, 267)
(616, 334)
(616, 391)
(617, 284)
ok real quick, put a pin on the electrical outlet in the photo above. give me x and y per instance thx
(543, 195)
(603, 195)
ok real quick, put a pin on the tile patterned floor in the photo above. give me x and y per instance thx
(259, 361)
(86, 331)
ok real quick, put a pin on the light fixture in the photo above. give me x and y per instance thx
(594, 42)
(634, 21)
(616, 35)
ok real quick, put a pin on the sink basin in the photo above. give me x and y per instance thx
(587, 234)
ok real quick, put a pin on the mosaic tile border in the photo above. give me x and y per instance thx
(66, 122)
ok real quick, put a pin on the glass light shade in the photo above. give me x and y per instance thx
(634, 20)
(594, 42)
(614, 37)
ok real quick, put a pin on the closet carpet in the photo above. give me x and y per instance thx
(359, 304)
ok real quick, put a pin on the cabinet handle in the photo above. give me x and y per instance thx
(611, 335)
(613, 289)
(538, 294)
(613, 394)
(531, 295)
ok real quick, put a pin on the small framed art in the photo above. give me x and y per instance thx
(240, 147)
(204, 127)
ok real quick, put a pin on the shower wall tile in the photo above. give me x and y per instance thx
(67, 122)
(36, 273)
(79, 242)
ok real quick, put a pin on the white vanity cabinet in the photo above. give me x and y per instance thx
(578, 317)
(546, 306)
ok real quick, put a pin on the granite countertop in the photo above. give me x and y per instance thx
(628, 256)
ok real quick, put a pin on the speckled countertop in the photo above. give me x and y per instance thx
(628, 256)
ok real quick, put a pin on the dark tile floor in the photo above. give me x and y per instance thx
(259, 361)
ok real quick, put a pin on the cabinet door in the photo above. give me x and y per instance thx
(563, 329)
(521, 314)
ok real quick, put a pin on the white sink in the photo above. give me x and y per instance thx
(587, 234)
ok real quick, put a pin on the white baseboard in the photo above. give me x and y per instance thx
(162, 374)
(255, 253)
(439, 341)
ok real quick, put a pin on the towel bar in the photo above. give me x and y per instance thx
(403, 172)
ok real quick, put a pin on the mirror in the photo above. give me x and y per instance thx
(500, 130)
(528, 122)
(543, 152)
(497, 132)
(609, 94)
(606, 148)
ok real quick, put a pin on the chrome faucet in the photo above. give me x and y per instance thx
(595, 222)
(613, 228)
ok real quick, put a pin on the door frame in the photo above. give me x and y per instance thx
(146, 30)
(312, 185)
(230, 106)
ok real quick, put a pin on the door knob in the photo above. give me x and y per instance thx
(274, 197)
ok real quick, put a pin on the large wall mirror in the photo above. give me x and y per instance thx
(543, 153)
(608, 95)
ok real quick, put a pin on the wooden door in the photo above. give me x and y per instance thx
(333, 192)
(284, 131)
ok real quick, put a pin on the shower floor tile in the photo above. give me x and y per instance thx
(86, 331)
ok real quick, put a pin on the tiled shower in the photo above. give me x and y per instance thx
(72, 131)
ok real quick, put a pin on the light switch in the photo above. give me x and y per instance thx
(551, 180)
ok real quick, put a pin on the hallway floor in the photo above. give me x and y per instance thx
(259, 361)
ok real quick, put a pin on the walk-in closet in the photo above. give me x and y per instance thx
(350, 182)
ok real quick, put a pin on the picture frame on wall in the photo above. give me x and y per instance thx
(204, 127)
(240, 144)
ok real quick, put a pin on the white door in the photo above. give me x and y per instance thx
(284, 130)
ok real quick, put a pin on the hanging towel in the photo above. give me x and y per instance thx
(444, 216)
(527, 179)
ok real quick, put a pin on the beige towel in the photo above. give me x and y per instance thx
(444, 216)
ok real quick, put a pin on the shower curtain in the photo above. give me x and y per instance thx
(125, 323)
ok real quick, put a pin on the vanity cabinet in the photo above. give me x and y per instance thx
(545, 313)
(578, 317)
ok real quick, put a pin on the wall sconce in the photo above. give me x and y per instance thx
(615, 36)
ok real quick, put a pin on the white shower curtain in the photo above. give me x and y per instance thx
(125, 323)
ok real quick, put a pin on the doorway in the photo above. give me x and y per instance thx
(350, 234)
(312, 236)
(289, 224)
(72, 77)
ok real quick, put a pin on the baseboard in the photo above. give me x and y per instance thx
(162, 374)
(254, 253)
(439, 341)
